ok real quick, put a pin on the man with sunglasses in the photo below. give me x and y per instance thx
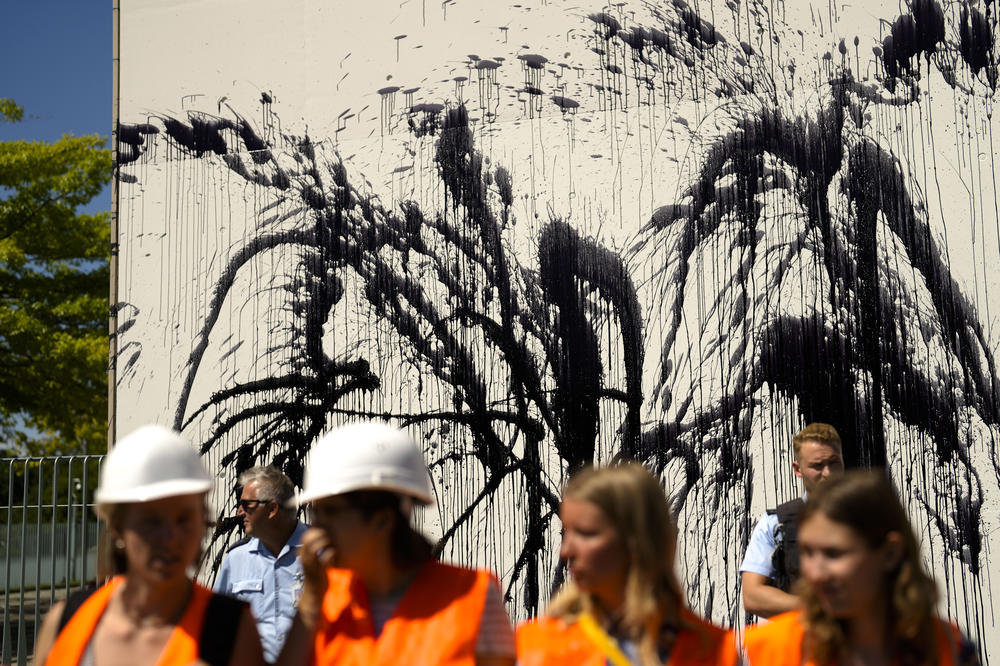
(263, 569)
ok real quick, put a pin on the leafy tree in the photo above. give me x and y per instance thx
(54, 278)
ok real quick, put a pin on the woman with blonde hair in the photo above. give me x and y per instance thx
(152, 496)
(866, 598)
(624, 604)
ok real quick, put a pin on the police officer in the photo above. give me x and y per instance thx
(771, 565)
(263, 569)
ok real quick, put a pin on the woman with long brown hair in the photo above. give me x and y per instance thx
(374, 594)
(866, 596)
(624, 604)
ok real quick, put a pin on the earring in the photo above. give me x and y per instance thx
(120, 544)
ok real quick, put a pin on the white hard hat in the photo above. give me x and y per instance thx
(369, 455)
(151, 463)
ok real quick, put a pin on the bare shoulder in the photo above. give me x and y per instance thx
(48, 632)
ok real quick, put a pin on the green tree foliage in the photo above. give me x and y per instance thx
(54, 278)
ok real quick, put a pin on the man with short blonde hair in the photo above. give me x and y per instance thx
(817, 432)
(771, 564)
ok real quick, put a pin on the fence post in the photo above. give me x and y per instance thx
(21, 656)
(52, 535)
(84, 518)
(69, 524)
(5, 648)
(38, 548)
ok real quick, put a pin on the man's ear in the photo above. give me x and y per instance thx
(796, 468)
(273, 509)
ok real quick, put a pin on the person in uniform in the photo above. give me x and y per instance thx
(770, 567)
(263, 568)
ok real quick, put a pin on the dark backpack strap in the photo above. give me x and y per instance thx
(788, 518)
(218, 632)
(786, 555)
(73, 603)
(790, 510)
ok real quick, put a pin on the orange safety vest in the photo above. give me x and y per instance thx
(553, 642)
(779, 642)
(181, 647)
(436, 621)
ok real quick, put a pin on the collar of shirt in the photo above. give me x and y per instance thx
(291, 546)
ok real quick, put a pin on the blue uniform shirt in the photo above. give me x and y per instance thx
(762, 545)
(271, 585)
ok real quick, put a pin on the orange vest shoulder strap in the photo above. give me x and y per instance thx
(552, 642)
(438, 584)
(701, 643)
(344, 634)
(73, 639)
(777, 643)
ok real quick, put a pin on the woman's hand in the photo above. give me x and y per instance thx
(316, 554)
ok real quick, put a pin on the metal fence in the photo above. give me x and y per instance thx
(48, 541)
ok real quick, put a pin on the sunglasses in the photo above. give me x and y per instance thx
(249, 505)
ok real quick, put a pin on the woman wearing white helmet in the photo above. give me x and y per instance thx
(373, 592)
(152, 497)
